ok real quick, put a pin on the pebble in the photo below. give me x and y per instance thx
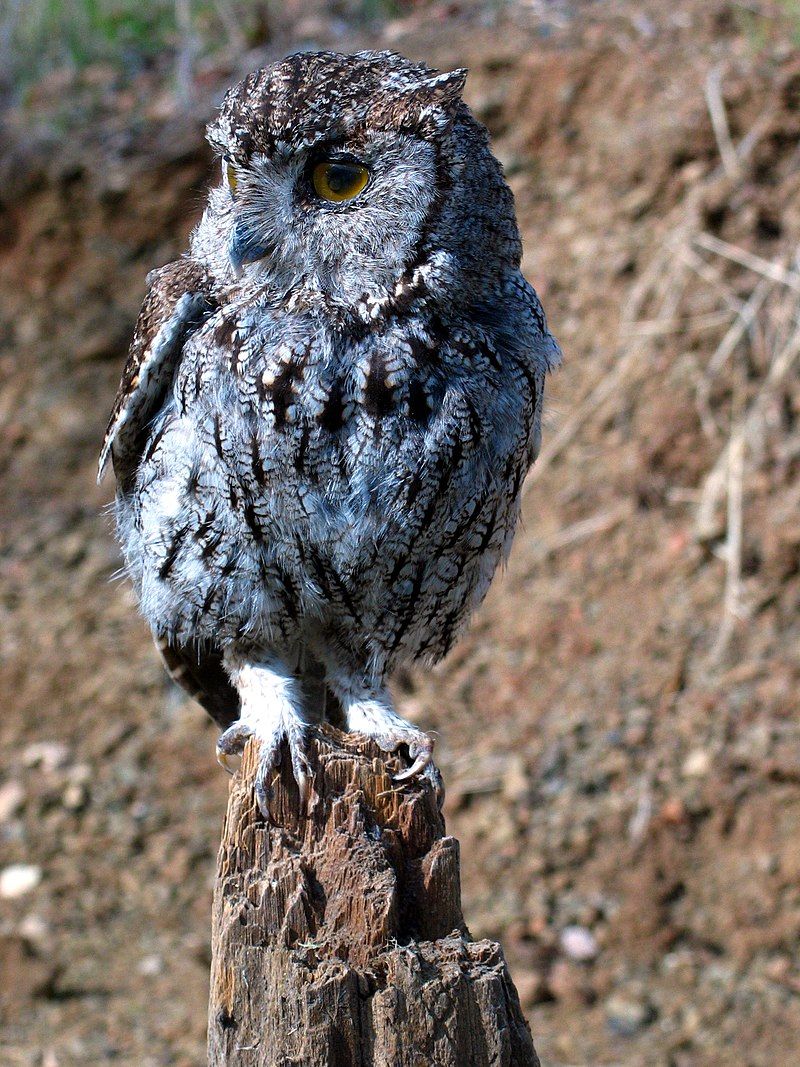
(18, 880)
(673, 811)
(76, 793)
(516, 785)
(696, 764)
(627, 1016)
(75, 796)
(579, 943)
(11, 797)
(49, 755)
(34, 929)
(150, 966)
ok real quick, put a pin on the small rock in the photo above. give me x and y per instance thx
(627, 1016)
(150, 966)
(778, 969)
(75, 796)
(644, 25)
(579, 943)
(11, 797)
(19, 879)
(516, 785)
(696, 764)
(27, 329)
(673, 811)
(642, 816)
(34, 929)
(767, 863)
(49, 755)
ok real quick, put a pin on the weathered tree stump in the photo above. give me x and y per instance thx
(338, 937)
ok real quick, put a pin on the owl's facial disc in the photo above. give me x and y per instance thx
(338, 218)
(244, 245)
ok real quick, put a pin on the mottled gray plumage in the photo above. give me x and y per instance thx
(329, 408)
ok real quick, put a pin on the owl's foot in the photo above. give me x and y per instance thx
(271, 715)
(420, 751)
(375, 717)
(231, 744)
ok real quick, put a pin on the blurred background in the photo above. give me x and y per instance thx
(618, 730)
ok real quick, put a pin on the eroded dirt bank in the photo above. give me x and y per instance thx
(623, 764)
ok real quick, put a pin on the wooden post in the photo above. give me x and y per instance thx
(338, 938)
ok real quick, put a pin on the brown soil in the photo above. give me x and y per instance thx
(622, 756)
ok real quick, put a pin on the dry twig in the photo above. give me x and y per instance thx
(747, 431)
(576, 532)
(665, 277)
(719, 121)
(744, 320)
(767, 267)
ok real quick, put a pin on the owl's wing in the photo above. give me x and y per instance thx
(544, 348)
(177, 301)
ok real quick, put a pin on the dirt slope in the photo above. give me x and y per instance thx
(623, 756)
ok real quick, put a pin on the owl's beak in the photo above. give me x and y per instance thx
(244, 247)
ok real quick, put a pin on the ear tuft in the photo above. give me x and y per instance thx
(446, 88)
(430, 104)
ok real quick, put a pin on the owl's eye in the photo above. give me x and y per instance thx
(230, 175)
(337, 180)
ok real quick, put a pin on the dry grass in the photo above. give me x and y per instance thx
(696, 282)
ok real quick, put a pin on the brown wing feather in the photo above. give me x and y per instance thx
(177, 300)
(202, 674)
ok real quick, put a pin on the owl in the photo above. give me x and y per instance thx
(330, 404)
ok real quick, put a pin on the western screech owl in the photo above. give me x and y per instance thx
(330, 403)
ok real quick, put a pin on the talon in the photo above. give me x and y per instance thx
(422, 754)
(419, 764)
(263, 794)
(231, 743)
(225, 761)
(434, 776)
(270, 714)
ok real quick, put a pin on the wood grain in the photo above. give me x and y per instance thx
(338, 937)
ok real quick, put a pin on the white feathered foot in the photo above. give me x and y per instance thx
(371, 712)
(271, 712)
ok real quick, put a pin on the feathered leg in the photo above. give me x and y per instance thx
(272, 711)
(370, 711)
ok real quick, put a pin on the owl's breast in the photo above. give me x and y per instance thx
(299, 471)
(337, 436)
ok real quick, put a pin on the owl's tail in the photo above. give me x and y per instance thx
(200, 671)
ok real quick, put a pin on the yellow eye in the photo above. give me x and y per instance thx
(336, 180)
(230, 177)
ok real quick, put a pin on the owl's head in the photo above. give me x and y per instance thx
(352, 179)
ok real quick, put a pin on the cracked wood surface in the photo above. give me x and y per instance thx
(338, 938)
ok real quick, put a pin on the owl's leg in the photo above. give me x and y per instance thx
(271, 712)
(370, 711)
